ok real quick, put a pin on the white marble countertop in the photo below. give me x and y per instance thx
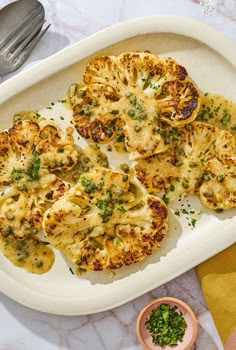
(25, 329)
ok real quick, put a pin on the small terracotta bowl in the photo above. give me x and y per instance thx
(144, 335)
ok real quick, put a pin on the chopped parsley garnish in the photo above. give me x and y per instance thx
(202, 157)
(225, 118)
(166, 325)
(174, 134)
(116, 240)
(33, 171)
(114, 111)
(122, 209)
(85, 182)
(205, 113)
(193, 222)
(71, 271)
(165, 198)
(17, 174)
(106, 209)
(90, 186)
(216, 109)
(133, 100)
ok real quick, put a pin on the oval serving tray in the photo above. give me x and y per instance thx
(212, 67)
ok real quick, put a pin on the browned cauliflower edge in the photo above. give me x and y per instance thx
(190, 166)
(30, 152)
(105, 222)
(139, 90)
(219, 192)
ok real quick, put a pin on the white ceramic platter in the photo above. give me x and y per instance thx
(210, 59)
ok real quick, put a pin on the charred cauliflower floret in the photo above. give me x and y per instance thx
(88, 159)
(29, 153)
(183, 167)
(218, 111)
(105, 222)
(219, 192)
(138, 89)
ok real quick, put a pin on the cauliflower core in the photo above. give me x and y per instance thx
(138, 90)
(186, 167)
(105, 221)
(30, 152)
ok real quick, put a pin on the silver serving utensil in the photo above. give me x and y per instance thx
(21, 25)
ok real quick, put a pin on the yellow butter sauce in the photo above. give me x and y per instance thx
(218, 111)
(30, 254)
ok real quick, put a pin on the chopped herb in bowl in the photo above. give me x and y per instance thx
(166, 325)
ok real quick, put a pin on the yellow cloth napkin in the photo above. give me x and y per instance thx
(217, 277)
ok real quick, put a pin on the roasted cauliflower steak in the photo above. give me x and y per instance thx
(184, 167)
(30, 153)
(105, 221)
(219, 192)
(139, 89)
(218, 111)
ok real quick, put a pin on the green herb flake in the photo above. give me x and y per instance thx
(225, 118)
(85, 182)
(17, 174)
(114, 111)
(71, 271)
(193, 222)
(61, 117)
(105, 208)
(116, 240)
(177, 212)
(122, 209)
(165, 198)
(184, 211)
(202, 157)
